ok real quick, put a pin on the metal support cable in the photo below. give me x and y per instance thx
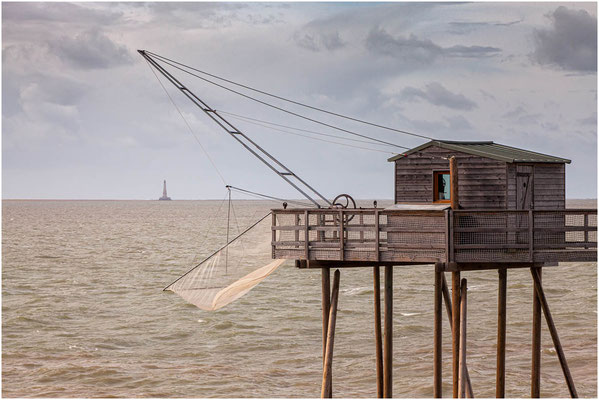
(293, 101)
(245, 117)
(313, 138)
(283, 109)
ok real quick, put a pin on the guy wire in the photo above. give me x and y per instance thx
(188, 126)
(293, 101)
(283, 109)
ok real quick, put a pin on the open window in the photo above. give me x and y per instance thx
(441, 187)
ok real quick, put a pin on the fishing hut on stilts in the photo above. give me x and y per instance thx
(460, 206)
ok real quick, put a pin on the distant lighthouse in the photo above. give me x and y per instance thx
(164, 195)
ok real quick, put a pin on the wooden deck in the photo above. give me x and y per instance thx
(379, 236)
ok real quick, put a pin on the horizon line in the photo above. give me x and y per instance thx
(51, 199)
(215, 199)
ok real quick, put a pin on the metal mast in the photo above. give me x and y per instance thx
(300, 185)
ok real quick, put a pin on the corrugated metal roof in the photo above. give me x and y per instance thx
(490, 150)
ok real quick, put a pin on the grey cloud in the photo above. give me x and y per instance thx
(507, 23)
(459, 123)
(91, 50)
(471, 51)
(59, 90)
(18, 91)
(487, 95)
(462, 28)
(437, 94)
(206, 15)
(448, 127)
(318, 41)
(420, 50)
(160, 8)
(570, 43)
(306, 41)
(591, 120)
(550, 126)
(515, 113)
(521, 116)
(407, 49)
(56, 12)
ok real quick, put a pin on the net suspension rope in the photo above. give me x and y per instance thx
(217, 251)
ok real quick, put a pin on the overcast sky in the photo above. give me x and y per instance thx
(84, 117)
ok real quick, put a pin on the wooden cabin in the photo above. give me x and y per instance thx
(491, 176)
(509, 208)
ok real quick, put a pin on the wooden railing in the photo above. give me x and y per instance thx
(409, 236)
(360, 235)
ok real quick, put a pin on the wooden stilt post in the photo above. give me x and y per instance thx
(455, 277)
(553, 331)
(447, 299)
(501, 331)
(455, 329)
(535, 375)
(378, 333)
(326, 304)
(388, 350)
(463, 325)
(438, 333)
(327, 378)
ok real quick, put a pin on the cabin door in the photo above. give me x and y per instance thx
(524, 195)
(524, 198)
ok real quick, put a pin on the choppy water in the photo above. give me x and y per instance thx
(83, 315)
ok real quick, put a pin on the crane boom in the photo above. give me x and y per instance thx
(300, 185)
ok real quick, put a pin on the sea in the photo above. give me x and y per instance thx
(84, 314)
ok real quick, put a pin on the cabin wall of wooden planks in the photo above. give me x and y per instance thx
(484, 183)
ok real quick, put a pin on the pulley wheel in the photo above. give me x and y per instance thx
(345, 201)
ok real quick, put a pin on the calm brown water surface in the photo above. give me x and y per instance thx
(84, 315)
